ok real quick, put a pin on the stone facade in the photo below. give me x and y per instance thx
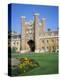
(33, 37)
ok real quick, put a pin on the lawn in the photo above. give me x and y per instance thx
(48, 63)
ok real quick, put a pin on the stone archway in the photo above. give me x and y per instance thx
(31, 44)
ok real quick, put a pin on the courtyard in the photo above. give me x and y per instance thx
(48, 63)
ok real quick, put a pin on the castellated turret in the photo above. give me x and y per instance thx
(43, 24)
(36, 31)
(23, 39)
(30, 31)
(33, 37)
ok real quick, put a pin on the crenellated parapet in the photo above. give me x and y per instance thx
(34, 31)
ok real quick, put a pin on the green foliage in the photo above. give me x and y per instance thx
(47, 63)
(26, 64)
(49, 29)
(13, 50)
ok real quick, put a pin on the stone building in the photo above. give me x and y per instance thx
(33, 37)
(14, 41)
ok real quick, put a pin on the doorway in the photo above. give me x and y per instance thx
(31, 44)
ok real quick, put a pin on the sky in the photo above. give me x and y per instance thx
(17, 10)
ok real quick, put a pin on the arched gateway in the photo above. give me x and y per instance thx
(30, 34)
(33, 37)
(31, 44)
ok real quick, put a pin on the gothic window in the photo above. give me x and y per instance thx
(17, 43)
(47, 47)
(43, 41)
(53, 47)
(14, 43)
(52, 40)
(43, 48)
(47, 41)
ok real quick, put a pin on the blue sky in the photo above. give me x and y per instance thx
(48, 12)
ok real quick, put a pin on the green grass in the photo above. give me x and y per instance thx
(48, 63)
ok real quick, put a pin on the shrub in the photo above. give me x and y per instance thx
(13, 50)
(26, 64)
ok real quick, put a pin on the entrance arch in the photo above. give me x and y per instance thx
(31, 44)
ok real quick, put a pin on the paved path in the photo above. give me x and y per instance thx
(14, 61)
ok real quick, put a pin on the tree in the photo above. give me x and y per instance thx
(49, 29)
